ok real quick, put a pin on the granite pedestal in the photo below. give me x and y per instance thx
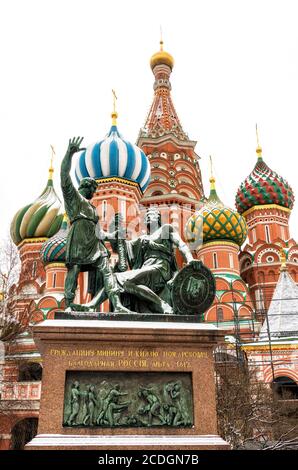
(116, 348)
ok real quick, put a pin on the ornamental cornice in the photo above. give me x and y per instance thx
(264, 207)
(32, 240)
(266, 347)
(54, 265)
(221, 243)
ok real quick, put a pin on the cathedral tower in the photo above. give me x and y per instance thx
(176, 183)
(30, 228)
(222, 231)
(265, 200)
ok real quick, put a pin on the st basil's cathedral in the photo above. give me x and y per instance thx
(248, 248)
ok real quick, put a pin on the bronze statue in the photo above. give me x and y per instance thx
(85, 249)
(151, 258)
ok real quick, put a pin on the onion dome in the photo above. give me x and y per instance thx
(54, 249)
(161, 58)
(263, 186)
(219, 221)
(42, 218)
(114, 157)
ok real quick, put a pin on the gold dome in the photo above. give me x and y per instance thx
(161, 57)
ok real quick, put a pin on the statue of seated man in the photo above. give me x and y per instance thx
(151, 258)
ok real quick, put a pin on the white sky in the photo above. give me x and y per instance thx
(236, 63)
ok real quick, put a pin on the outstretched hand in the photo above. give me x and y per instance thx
(74, 145)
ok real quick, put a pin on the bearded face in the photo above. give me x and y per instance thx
(87, 188)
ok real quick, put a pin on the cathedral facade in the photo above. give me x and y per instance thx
(245, 247)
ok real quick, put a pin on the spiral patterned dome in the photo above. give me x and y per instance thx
(54, 249)
(114, 157)
(41, 218)
(263, 186)
(216, 222)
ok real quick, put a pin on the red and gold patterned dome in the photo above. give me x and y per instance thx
(263, 186)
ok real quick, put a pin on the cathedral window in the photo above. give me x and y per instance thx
(123, 209)
(285, 388)
(219, 314)
(267, 231)
(34, 268)
(231, 259)
(260, 299)
(254, 235)
(54, 279)
(104, 210)
(215, 263)
(30, 372)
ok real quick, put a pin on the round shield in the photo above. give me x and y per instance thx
(193, 289)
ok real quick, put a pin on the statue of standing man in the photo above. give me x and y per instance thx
(85, 248)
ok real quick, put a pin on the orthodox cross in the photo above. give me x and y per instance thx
(51, 169)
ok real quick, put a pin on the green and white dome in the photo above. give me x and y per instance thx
(40, 219)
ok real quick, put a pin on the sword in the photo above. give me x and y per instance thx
(120, 246)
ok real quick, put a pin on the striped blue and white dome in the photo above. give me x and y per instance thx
(114, 157)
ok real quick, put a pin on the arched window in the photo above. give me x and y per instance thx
(285, 388)
(23, 432)
(30, 372)
(219, 314)
(261, 277)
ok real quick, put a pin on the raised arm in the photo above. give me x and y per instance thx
(70, 193)
(73, 147)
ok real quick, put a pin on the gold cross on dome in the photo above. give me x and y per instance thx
(114, 114)
(114, 100)
(211, 166)
(51, 169)
(53, 153)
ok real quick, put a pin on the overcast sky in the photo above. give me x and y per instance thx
(236, 63)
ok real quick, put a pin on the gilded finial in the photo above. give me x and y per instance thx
(283, 259)
(259, 148)
(211, 179)
(114, 114)
(51, 169)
